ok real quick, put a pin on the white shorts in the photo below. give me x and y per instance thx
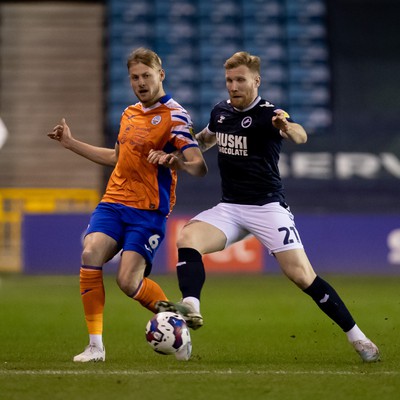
(272, 224)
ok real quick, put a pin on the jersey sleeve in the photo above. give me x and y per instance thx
(211, 127)
(182, 135)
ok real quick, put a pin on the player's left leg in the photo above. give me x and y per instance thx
(144, 232)
(296, 266)
(132, 282)
(273, 224)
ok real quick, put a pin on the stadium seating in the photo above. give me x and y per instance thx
(195, 37)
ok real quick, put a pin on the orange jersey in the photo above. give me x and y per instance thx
(134, 181)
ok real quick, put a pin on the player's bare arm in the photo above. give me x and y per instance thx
(289, 130)
(194, 163)
(191, 160)
(205, 140)
(99, 155)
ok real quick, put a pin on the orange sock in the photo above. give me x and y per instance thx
(93, 297)
(148, 294)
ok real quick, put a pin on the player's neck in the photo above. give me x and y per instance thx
(250, 106)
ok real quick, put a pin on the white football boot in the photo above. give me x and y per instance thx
(367, 350)
(91, 353)
(193, 318)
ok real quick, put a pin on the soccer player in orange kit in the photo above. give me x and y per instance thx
(139, 196)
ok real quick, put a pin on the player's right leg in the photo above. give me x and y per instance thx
(196, 238)
(98, 248)
(188, 307)
(92, 353)
(191, 278)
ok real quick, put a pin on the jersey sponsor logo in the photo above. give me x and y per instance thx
(246, 122)
(221, 119)
(233, 145)
(156, 120)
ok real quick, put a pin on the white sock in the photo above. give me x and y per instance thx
(96, 340)
(194, 301)
(354, 334)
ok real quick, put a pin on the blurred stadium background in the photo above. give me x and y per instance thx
(332, 64)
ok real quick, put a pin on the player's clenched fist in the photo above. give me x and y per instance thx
(279, 120)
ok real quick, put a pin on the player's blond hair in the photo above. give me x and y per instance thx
(146, 57)
(253, 63)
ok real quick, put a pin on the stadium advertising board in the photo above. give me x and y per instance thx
(335, 243)
(246, 256)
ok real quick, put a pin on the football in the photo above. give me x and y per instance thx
(167, 333)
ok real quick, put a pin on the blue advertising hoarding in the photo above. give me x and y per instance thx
(335, 243)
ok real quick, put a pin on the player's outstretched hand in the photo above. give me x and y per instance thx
(61, 133)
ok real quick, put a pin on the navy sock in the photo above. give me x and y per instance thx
(330, 303)
(191, 273)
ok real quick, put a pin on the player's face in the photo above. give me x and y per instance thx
(146, 83)
(242, 85)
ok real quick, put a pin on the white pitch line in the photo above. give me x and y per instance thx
(185, 372)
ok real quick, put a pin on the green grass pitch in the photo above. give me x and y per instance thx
(262, 339)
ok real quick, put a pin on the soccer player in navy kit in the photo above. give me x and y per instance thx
(249, 132)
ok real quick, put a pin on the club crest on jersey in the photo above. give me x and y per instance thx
(246, 122)
(156, 120)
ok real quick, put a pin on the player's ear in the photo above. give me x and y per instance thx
(162, 74)
(258, 80)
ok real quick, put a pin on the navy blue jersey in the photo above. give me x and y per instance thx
(248, 153)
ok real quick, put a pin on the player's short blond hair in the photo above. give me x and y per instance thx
(253, 63)
(145, 56)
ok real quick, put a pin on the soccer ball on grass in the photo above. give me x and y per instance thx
(167, 333)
